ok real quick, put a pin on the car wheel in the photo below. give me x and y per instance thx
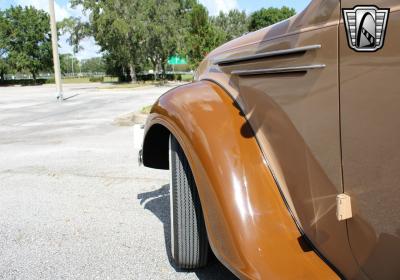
(189, 242)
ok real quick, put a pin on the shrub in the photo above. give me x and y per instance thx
(50, 81)
(22, 82)
(96, 79)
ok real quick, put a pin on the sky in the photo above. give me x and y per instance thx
(90, 49)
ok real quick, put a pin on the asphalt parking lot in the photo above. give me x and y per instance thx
(73, 202)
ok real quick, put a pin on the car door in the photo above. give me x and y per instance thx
(370, 133)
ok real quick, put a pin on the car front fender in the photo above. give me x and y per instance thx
(249, 226)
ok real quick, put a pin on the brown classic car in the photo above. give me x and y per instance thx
(285, 152)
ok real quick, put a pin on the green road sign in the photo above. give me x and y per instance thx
(176, 60)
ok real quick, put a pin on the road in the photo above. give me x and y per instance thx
(73, 202)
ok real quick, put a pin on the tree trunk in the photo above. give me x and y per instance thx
(2, 76)
(155, 72)
(128, 75)
(34, 77)
(164, 73)
(125, 74)
(121, 75)
(132, 71)
(154, 63)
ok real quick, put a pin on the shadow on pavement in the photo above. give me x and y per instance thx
(72, 96)
(158, 203)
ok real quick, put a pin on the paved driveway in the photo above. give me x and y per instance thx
(73, 202)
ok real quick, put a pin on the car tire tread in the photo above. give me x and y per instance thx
(190, 246)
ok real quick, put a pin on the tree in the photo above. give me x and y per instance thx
(76, 30)
(201, 36)
(3, 68)
(3, 45)
(266, 17)
(232, 24)
(69, 63)
(28, 44)
(136, 33)
(118, 29)
(115, 66)
(163, 26)
(93, 65)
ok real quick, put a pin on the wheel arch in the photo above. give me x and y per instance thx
(155, 147)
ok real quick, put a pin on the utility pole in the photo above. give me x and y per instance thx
(54, 43)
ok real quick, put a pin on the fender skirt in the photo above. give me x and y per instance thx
(249, 227)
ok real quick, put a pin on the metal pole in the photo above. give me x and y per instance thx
(54, 43)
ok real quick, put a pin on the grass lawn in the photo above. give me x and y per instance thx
(115, 84)
(75, 80)
(146, 109)
(112, 82)
(82, 80)
(187, 78)
(126, 85)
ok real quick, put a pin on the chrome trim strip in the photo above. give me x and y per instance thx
(278, 70)
(234, 60)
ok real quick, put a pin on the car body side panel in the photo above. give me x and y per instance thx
(370, 105)
(249, 227)
(295, 117)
